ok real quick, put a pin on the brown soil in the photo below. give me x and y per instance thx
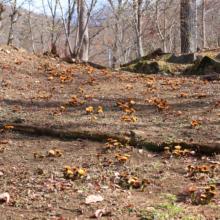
(30, 96)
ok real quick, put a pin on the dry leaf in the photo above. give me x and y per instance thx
(190, 174)
(93, 198)
(5, 197)
(98, 213)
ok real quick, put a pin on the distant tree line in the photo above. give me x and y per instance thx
(110, 32)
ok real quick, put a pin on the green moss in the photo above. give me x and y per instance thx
(151, 67)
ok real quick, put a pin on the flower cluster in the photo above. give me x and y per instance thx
(74, 173)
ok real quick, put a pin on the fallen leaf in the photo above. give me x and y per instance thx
(93, 198)
(5, 197)
(98, 213)
(190, 174)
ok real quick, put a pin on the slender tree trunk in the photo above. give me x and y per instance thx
(203, 25)
(115, 45)
(195, 24)
(218, 43)
(11, 31)
(186, 19)
(164, 32)
(139, 27)
(2, 9)
(83, 32)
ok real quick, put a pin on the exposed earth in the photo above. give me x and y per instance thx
(43, 95)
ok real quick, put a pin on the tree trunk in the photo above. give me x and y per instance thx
(11, 31)
(186, 26)
(2, 9)
(138, 25)
(115, 45)
(203, 24)
(195, 24)
(164, 26)
(83, 32)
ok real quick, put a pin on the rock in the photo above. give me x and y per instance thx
(205, 66)
(151, 67)
(19, 120)
(217, 57)
(152, 55)
(183, 59)
(136, 134)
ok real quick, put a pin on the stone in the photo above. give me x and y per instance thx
(19, 120)
(205, 66)
(183, 59)
(136, 134)
(217, 57)
(152, 55)
(150, 67)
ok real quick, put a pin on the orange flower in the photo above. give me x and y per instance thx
(67, 167)
(63, 108)
(51, 153)
(82, 171)
(177, 147)
(179, 113)
(8, 127)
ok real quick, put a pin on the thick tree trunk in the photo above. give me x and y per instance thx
(137, 6)
(186, 26)
(83, 32)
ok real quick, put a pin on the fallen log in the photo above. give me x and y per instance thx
(206, 148)
(214, 76)
(95, 65)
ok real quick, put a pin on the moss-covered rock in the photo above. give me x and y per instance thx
(207, 63)
(152, 55)
(151, 67)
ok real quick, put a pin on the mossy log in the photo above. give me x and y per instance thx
(209, 148)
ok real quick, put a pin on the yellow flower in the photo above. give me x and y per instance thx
(177, 147)
(82, 171)
(69, 172)
(51, 152)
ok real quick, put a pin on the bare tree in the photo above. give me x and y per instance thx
(52, 23)
(14, 17)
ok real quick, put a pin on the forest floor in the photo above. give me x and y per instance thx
(45, 92)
